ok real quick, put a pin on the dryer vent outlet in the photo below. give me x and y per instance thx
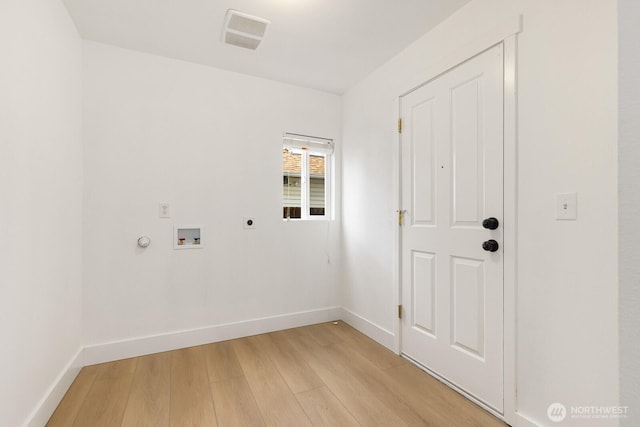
(248, 222)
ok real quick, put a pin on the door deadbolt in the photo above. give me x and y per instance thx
(490, 245)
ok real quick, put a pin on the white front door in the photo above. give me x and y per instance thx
(452, 181)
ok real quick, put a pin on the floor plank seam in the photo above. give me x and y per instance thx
(170, 383)
(133, 377)
(213, 403)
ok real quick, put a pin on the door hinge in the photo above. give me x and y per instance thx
(399, 124)
(400, 311)
(400, 217)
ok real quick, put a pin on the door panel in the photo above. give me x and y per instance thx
(452, 179)
(467, 280)
(424, 290)
(466, 149)
(423, 164)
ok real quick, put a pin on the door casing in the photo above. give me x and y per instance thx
(508, 38)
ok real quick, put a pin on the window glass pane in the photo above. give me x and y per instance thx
(292, 184)
(317, 172)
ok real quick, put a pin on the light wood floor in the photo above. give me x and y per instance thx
(321, 375)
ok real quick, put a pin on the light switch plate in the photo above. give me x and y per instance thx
(567, 206)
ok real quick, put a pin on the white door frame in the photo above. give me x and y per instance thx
(508, 36)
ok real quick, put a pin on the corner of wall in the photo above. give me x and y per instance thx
(48, 404)
(370, 329)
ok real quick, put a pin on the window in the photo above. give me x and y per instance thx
(306, 171)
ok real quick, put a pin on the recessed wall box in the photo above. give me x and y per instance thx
(187, 237)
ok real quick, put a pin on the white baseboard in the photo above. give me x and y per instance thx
(49, 402)
(370, 329)
(117, 350)
(107, 352)
(523, 421)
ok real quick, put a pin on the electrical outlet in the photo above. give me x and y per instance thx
(248, 222)
(164, 210)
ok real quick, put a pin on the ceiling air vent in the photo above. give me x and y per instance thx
(244, 30)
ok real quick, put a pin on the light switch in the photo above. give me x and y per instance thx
(164, 210)
(567, 206)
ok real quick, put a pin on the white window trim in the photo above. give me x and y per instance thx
(307, 146)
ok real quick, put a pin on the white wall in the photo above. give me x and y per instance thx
(629, 173)
(567, 271)
(209, 143)
(40, 207)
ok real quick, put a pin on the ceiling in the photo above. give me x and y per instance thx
(322, 44)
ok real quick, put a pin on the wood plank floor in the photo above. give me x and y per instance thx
(321, 375)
